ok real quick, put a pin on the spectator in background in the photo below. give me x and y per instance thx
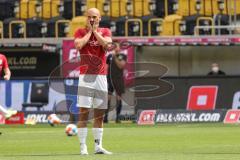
(116, 63)
(215, 71)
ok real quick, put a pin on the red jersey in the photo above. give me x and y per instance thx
(3, 63)
(93, 59)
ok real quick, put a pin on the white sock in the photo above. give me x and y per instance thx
(3, 110)
(82, 135)
(97, 134)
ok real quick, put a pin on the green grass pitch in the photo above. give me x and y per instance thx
(126, 141)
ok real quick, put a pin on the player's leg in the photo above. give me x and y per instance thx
(110, 92)
(108, 109)
(83, 130)
(84, 101)
(3, 110)
(7, 113)
(100, 105)
(98, 131)
(118, 108)
(85, 104)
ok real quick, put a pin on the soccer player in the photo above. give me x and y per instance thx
(92, 88)
(7, 74)
(116, 63)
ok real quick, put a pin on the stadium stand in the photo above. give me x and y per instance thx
(141, 8)
(73, 8)
(165, 7)
(196, 7)
(171, 25)
(51, 8)
(7, 9)
(96, 4)
(77, 22)
(118, 8)
(29, 9)
(58, 27)
(58, 18)
(35, 27)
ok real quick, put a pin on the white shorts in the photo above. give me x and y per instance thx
(92, 91)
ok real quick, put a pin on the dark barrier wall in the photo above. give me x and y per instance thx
(37, 63)
(207, 93)
(31, 61)
(191, 60)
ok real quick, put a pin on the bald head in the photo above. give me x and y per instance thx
(93, 11)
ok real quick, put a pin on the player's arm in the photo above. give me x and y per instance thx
(7, 74)
(80, 41)
(103, 40)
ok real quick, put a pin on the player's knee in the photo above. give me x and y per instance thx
(98, 123)
(82, 124)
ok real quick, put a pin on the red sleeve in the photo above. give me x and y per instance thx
(107, 33)
(78, 34)
(5, 63)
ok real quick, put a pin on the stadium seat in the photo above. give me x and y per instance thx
(154, 26)
(71, 10)
(105, 22)
(205, 21)
(39, 96)
(120, 25)
(213, 7)
(164, 8)
(190, 24)
(51, 8)
(196, 7)
(227, 6)
(97, 4)
(208, 7)
(230, 6)
(77, 22)
(189, 7)
(29, 9)
(1, 29)
(18, 28)
(118, 8)
(183, 7)
(171, 25)
(7, 9)
(141, 8)
(62, 27)
(152, 29)
(34, 27)
(222, 20)
(133, 27)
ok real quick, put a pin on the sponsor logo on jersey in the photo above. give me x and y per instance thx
(94, 43)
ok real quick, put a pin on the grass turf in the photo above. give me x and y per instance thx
(127, 141)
